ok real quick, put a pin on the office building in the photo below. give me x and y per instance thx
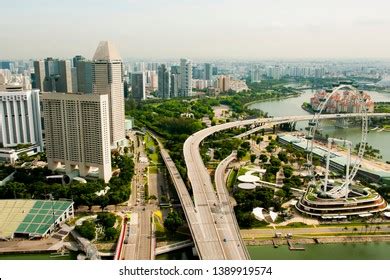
(84, 76)
(174, 88)
(163, 82)
(53, 75)
(175, 69)
(185, 77)
(138, 82)
(107, 78)
(77, 130)
(39, 73)
(223, 83)
(20, 118)
(207, 71)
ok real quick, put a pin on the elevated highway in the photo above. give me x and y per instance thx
(215, 226)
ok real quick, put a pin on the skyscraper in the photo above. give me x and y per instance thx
(64, 83)
(84, 75)
(163, 82)
(185, 77)
(138, 85)
(107, 78)
(39, 71)
(207, 71)
(77, 131)
(174, 85)
(53, 75)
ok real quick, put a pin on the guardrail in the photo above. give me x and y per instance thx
(119, 245)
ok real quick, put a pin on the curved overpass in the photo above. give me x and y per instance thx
(217, 228)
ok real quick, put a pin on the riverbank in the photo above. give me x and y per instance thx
(318, 240)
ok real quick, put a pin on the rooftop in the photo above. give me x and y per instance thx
(106, 51)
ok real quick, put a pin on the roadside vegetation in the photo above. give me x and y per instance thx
(31, 183)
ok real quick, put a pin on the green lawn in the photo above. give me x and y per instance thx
(149, 144)
(231, 179)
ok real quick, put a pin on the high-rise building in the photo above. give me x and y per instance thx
(185, 77)
(175, 69)
(53, 75)
(75, 87)
(163, 82)
(138, 85)
(84, 76)
(153, 80)
(64, 83)
(223, 83)
(174, 85)
(39, 71)
(5, 65)
(107, 78)
(214, 71)
(20, 117)
(77, 132)
(207, 71)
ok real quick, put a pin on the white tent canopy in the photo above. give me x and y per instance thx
(258, 212)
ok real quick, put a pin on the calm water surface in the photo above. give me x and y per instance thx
(292, 107)
(357, 251)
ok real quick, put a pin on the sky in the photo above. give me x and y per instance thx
(204, 29)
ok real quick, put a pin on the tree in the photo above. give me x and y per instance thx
(288, 171)
(106, 219)
(253, 158)
(110, 234)
(173, 221)
(246, 146)
(263, 158)
(241, 153)
(283, 157)
(102, 201)
(87, 230)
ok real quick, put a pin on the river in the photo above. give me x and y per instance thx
(348, 251)
(39, 256)
(292, 107)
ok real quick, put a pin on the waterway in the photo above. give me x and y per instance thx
(348, 251)
(40, 256)
(292, 107)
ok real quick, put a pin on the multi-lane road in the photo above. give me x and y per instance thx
(138, 245)
(223, 237)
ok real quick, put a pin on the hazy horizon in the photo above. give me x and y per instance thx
(214, 29)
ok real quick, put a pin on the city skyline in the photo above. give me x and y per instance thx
(257, 29)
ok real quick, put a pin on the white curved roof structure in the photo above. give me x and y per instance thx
(248, 178)
(273, 215)
(247, 186)
(106, 51)
(258, 212)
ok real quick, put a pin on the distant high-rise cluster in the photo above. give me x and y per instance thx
(81, 128)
